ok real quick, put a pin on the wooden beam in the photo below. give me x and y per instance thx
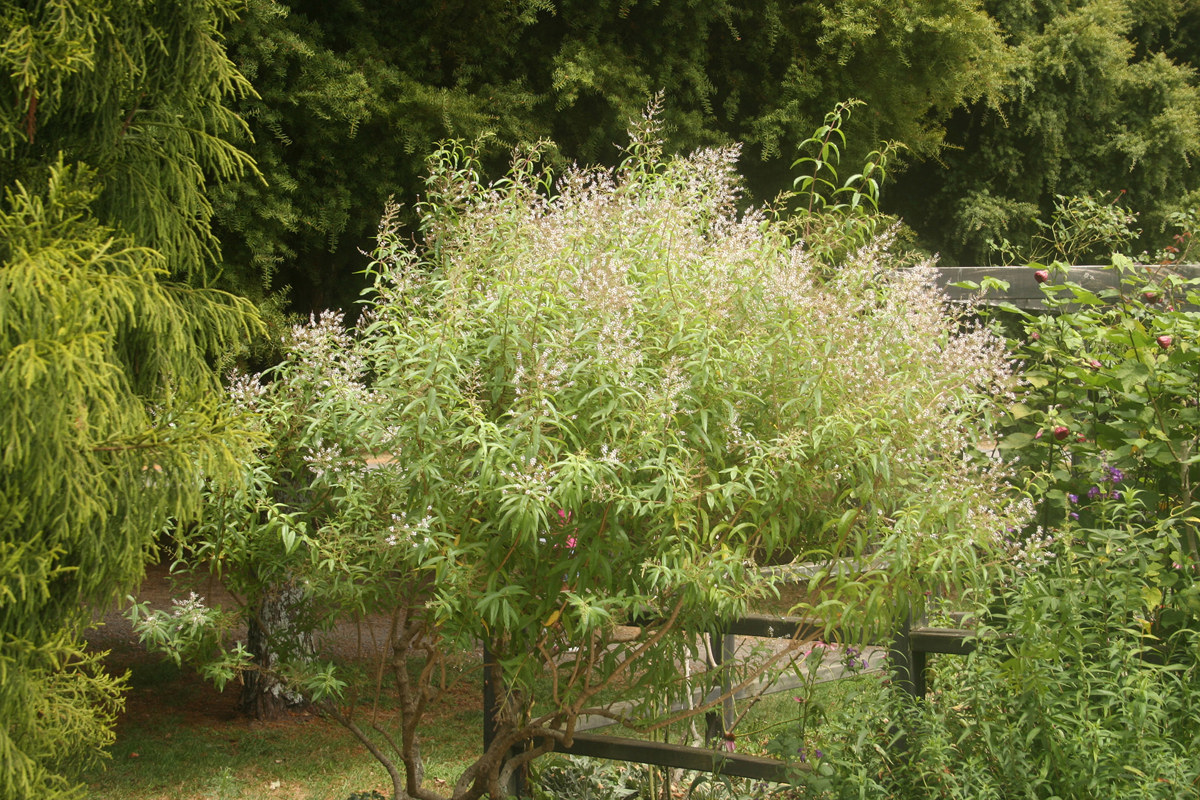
(953, 641)
(769, 627)
(1023, 291)
(620, 748)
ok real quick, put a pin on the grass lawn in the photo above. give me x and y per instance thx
(179, 739)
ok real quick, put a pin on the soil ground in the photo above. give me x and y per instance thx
(195, 699)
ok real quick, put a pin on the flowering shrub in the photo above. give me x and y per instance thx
(607, 400)
(1110, 411)
(1090, 687)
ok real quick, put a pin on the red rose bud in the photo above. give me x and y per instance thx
(1164, 341)
(1081, 438)
(1151, 297)
(1061, 431)
(1035, 336)
(1041, 276)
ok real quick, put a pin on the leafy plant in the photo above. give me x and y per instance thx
(1085, 679)
(588, 779)
(1068, 694)
(1112, 381)
(603, 401)
(1081, 229)
(832, 218)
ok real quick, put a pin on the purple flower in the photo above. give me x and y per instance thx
(1115, 475)
(1074, 498)
(1074, 515)
(1115, 495)
(1093, 492)
(804, 756)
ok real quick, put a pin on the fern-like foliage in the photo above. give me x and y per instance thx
(109, 426)
(139, 92)
(112, 125)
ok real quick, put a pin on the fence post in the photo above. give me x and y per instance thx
(909, 664)
(722, 646)
(908, 668)
(494, 694)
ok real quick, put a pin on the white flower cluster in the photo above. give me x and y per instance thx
(246, 390)
(1034, 551)
(191, 612)
(324, 458)
(326, 346)
(415, 534)
(529, 478)
(543, 377)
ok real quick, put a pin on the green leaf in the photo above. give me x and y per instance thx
(1015, 440)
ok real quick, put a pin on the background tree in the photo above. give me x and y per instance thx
(109, 418)
(1101, 98)
(354, 95)
(1002, 106)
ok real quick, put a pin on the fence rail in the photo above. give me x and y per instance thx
(908, 653)
(1023, 291)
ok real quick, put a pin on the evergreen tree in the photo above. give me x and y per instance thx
(138, 91)
(111, 124)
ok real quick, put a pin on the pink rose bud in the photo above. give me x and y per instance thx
(1164, 341)
(1061, 431)
(1041, 276)
(1094, 364)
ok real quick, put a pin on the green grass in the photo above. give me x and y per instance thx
(181, 740)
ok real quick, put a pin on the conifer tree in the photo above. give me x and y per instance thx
(137, 90)
(111, 124)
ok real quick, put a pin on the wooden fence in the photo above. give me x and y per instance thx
(1023, 291)
(907, 653)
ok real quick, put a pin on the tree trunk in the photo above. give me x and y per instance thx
(275, 633)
